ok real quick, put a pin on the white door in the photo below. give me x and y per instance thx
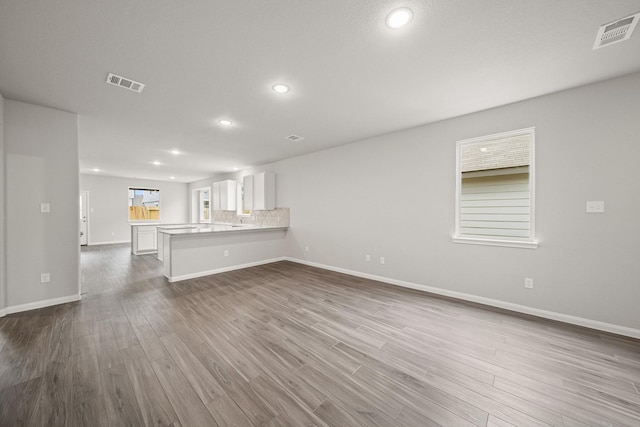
(84, 217)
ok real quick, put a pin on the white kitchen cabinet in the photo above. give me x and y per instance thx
(225, 195)
(143, 239)
(264, 191)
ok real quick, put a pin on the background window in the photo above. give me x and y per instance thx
(494, 200)
(144, 204)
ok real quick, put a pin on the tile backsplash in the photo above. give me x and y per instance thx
(278, 217)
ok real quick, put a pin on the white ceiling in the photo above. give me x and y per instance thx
(351, 77)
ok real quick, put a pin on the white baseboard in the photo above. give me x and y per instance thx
(224, 269)
(39, 304)
(552, 315)
(117, 242)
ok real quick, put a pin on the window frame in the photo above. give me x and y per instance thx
(532, 242)
(241, 212)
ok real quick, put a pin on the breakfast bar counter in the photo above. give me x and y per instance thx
(194, 252)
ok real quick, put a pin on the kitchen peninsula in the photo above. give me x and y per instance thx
(194, 252)
(144, 238)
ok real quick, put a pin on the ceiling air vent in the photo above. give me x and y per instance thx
(295, 138)
(617, 31)
(124, 82)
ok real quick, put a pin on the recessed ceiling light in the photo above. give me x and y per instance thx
(235, 169)
(280, 88)
(96, 170)
(225, 122)
(157, 163)
(483, 149)
(399, 18)
(175, 152)
(172, 177)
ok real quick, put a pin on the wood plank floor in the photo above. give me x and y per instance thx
(290, 345)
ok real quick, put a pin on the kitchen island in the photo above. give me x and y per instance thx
(194, 252)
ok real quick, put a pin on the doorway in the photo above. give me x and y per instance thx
(201, 205)
(84, 218)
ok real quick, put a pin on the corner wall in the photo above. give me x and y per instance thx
(393, 196)
(3, 214)
(41, 158)
(108, 208)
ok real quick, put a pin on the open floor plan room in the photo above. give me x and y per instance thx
(289, 345)
(319, 213)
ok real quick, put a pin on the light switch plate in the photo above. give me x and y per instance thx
(595, 206)
(45, 207)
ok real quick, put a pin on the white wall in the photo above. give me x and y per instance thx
(393, 196)
(41, 149)
(108, 205)
(3, 214)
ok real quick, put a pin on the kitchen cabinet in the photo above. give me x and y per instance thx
(264, 191)
(143, 239)
(225, 195)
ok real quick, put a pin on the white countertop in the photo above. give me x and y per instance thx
(160, 224)
(180, 226)
(218, 228)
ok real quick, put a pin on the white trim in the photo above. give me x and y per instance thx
(224, 269)
(41, 304)
(3, 312)
(146, 252)
(117, 242)
(487, 242)
(552, 315)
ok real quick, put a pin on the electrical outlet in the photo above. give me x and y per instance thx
(226, 252)
(45, 278)
(45, 207)
(528, 283)
(367, 258)
(595, 206)
(306, 248)
(382, 260)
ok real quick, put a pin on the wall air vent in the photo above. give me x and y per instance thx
(295, 138)
(617, 31)
(125, 82)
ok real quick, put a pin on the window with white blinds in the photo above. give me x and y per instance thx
(494, 200)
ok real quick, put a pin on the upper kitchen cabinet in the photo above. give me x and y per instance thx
(264, 191)
(225, 195)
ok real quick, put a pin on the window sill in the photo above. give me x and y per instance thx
(489, 242)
